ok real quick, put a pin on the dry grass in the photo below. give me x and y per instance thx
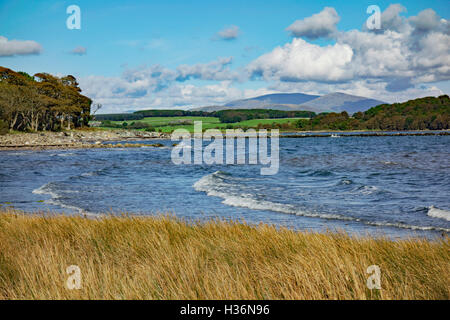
(165, 258)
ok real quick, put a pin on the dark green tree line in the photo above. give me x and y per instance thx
(430, 113)
(42, 102)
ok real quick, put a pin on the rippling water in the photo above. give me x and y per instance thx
(394, 186)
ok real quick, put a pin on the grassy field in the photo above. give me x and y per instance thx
(165, 258)
(167, 124)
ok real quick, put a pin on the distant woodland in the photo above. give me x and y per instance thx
(41, 102)
(428, 113)
(225, 116)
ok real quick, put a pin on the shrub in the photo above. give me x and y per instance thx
(139, 125)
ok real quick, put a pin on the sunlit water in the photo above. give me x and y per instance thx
(393, 186)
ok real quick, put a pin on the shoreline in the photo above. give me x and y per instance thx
(96, 139)
(77, 139)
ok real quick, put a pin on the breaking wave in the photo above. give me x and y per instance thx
(56, 199)
(438, 213)
(221, 184)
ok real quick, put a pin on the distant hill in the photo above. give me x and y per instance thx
(338, 102)
(334, 102)
(273, 99)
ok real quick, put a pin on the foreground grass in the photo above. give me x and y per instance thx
(165, 258)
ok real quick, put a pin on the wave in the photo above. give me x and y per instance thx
(389, 162)
(365, 190)
(89, 174)
(218, 184)
(438, 213)
(47, 189)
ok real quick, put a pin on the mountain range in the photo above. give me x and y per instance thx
(333, 102)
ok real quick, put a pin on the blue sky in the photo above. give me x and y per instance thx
(126, 37)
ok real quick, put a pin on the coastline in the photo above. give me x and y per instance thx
(96, 139)
(77, 139)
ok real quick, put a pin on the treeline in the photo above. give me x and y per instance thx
(125, 125)
(173, 113)
(119, 117)
(233, 116)
(41, 102)
(225, 116)
(139, 115)
(428, 113)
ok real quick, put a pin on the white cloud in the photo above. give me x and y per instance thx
(160, 87)
(229, 33)
(302, 61)
(406, 52)
(9, 48)
(215, 70)
(319, 25)
(427, 20)
(391, 19)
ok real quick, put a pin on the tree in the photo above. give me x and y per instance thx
(47, 103)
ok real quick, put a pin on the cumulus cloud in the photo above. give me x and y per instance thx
(10, 48)
(79, 51)
(319, 25)
(427, 20)
(117, 94)
(160, 87)
(404, 53)
(300, 60)
(391, 19)
(215, 70)
(229, 33)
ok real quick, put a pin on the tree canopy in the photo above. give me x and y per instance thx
(41, 102)
(429, 113)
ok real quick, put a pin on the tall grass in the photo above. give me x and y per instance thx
(166, 258)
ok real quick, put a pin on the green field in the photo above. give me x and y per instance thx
(168, 124)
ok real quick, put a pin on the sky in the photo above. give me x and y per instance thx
(134, 55)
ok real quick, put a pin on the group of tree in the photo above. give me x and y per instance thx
(119, 117)
(233, 116)
(41, 102)
(137, 125)
(430, 113)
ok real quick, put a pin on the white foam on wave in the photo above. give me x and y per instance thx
(216, 185)
(55, 198)
(438, 213)
(89, 174)
(389, 162)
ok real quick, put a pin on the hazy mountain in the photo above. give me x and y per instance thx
(336, 102)
(271, 99)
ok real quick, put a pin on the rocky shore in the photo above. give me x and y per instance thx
(75, 139)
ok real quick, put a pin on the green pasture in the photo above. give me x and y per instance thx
(168, 124)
